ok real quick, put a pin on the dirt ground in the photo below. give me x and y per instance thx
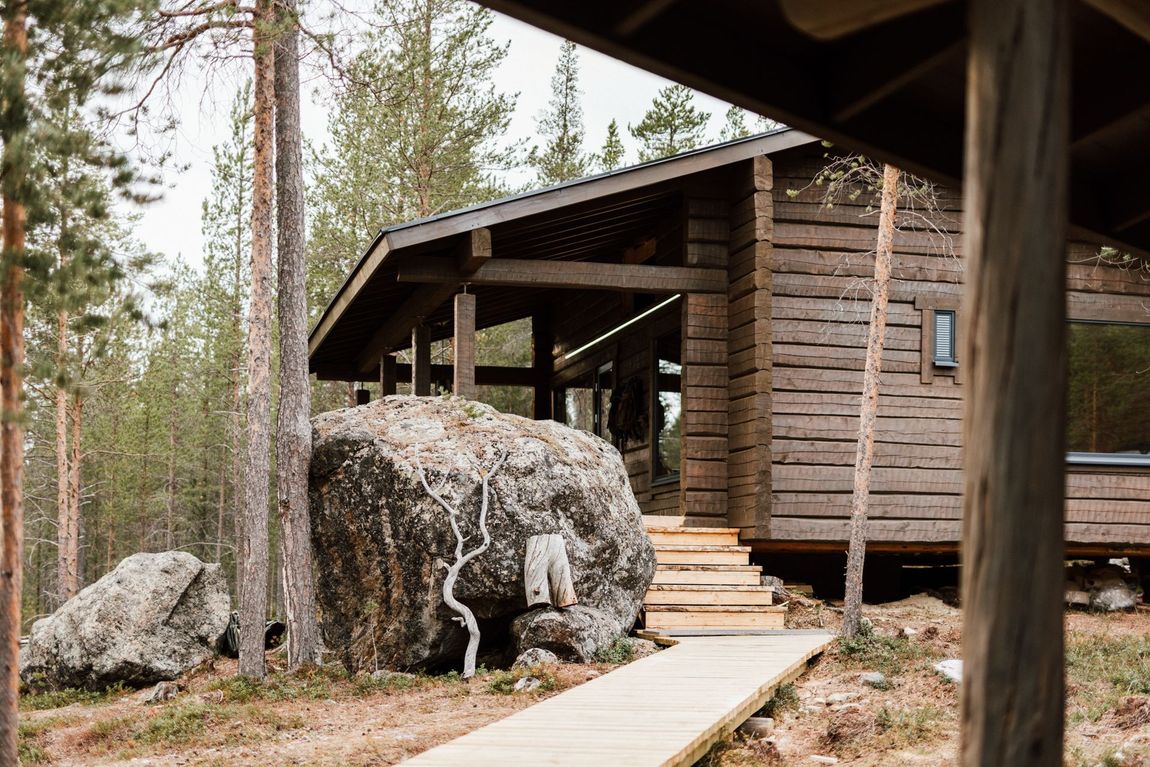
(328, 719)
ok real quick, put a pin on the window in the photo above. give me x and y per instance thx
(586, 400)
(944, 338)
(1108, 393)
(667, 407)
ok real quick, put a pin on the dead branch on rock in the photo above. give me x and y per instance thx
(466, 617)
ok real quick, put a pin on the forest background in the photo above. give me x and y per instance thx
(136, 378)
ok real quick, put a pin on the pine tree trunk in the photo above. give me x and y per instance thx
(12, 387)
(293, 432)
(74, 489)
(65, 567)
(253, 602)
(868, 412)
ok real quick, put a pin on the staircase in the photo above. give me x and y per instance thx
(705, 581)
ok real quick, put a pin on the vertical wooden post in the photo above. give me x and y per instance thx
(463, 384)
(421, 361)
(387, 375)
(1014, 426)
(543, 362)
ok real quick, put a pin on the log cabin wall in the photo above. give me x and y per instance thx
(818, 265)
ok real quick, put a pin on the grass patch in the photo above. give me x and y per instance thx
(909, 726)
(47, 699)
(890, 655)
(31, 749)
(786, 698)
(309, 683)
(503, 682)
(621, 651)
(369, 684)
(1100, 671)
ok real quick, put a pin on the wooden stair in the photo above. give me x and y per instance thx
(704, 580)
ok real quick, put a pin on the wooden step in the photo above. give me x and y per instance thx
(662, 521)
(708, 595)
(708, 575)
(695, 536)
(705, 616)
(668, 554)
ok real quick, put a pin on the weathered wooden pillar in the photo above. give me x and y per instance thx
(463, 384)
(421, 360)
(543, 362)
(387, 375)
(1013, 434)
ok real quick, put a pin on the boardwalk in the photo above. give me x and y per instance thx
(666, 709)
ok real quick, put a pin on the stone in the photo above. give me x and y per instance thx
(534, 656)
(846, 707)
(527, 684)
(757, 727)
(909, 632)
(573, 634)
(153, 618)
(951, 669)
(875, 679)
(819, 759)
(382, 543)
(841, 697)
(775, 584)
(644, 647)
(1112, 597)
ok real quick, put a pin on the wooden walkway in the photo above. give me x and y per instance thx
(666, 709)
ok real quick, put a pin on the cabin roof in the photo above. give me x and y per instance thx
(588, 219)
(888, 78)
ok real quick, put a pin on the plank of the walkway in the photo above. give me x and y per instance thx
(664, 710)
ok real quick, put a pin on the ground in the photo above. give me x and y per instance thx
(328, 719)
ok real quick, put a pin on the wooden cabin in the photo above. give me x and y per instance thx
(707, 313)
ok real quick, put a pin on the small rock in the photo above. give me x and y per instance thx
(875, 679)
(819, 702)
(847, 707)
(643, 647)
(211, 697)
(809, 709)
(908, 632)
(817, 759)
(534, 656)
(841, 697)
(383, 676)
(163, 691)
(951, 669)
(527, 684)
(1117, 596)
(757, 726)
(593, 674)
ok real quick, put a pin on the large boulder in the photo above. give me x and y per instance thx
(382, 542)
(151, 619)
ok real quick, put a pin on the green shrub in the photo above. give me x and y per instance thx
(890, 655)
(503, 682)
(46, 699)
(621, 651)
(786, 698)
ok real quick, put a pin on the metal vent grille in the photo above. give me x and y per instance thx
(944, 338)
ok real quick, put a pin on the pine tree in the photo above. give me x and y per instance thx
(671, 126)
(735, 125)
(561, 125)
(611, 156)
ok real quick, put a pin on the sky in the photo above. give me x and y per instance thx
(611, 89)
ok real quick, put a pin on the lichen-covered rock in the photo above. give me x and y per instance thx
(573, 633)
(151, 619)
(382, 542)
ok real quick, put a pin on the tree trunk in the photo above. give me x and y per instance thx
(868, 412)
(293, 432)
(12, 382)
(547, 572)
(75, 482)
(1015, 206)
(66, 582)
(254, 597)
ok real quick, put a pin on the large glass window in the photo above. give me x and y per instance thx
(586, 401)
(1108, 399)
(668, 407)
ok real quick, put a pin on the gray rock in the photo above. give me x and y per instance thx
(534, 656)
(775, 584)
(875, 679)
(572, 634)
(757, 727)
(951, 669)
(819, 759)
(1113, 596)
(527, 684)
(846, 707)
(909, 632)
(644, 647)
(841, 697)
(151, 619)
(381, 542)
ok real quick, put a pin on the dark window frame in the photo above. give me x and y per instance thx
(670, 477)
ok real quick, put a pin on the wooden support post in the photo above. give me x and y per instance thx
(547, 572)
(387, 375)
(463, 380)
(1014, 427)
(421, 361)
(543, 363)
(362, 396)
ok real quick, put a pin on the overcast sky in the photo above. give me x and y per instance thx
(611, 89)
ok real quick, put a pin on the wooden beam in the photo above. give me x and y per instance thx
(387, 376)
(474, 250)
(1132, 14)
(463, 380)
(364, 270)
(421, 361)
(1015, 214)
(485, 375)
(577, 275)
(894, 60)
(833, 19)
(392, 333)
(543, 363)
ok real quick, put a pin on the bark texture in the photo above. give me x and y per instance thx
(67, 550)
(293, 428)
(868, 411)
(12, 393)
(253, 594)
(1014, 427)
